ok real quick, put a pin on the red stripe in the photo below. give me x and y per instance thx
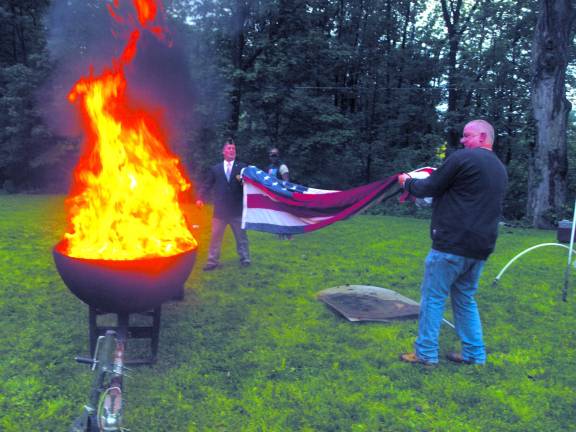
(330, 200)
(384, 185)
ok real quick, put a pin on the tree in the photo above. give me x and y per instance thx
(494, 59)
(456, 21)
(23, 67)
(361, 85)
(20, 30)
(549, 163)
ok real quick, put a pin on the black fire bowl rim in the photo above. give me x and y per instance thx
(61, 246)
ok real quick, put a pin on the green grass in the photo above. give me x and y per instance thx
(253, 350)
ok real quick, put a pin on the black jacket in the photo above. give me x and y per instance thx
(226, 195)
(468, 191)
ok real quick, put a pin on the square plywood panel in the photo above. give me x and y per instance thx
(369, 303)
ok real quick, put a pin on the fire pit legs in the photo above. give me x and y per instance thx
(125, 331)
(123, 326)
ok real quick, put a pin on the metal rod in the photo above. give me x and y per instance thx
(449, 323)
(567, 271)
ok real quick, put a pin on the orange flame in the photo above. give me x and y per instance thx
(128, 188)
(146, 10)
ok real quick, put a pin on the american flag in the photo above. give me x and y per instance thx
(281, 207)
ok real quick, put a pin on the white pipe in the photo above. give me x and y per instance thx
(497, 278)
(449, 323)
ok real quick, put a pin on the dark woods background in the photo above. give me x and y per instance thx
(350, 91)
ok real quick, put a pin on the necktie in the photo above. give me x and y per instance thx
(228, 169)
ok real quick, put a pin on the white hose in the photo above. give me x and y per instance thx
(497, 278)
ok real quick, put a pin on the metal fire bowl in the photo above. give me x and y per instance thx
(125, 286)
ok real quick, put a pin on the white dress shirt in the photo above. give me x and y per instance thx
(228, 168)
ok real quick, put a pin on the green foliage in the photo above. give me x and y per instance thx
(369, 87)
(253, 350)
(362, 85)
(24, 137)
(19, 125)
(337, 88)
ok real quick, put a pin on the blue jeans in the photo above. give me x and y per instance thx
(447, 274)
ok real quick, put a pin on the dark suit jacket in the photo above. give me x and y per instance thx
(227, 196)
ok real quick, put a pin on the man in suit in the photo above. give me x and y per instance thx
(225, 183)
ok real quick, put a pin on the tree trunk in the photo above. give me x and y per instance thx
(239, 18)
(547, 183)
(456, 24)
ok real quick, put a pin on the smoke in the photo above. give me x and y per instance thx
(83, 38)
(161, 75)
(72, 25)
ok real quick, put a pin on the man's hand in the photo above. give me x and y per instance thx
(402, 179)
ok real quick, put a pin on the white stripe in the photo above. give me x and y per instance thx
(245, 190)
(251, 189)
(274, 217)
(312, 191)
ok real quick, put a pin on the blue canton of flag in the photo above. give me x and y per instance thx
(279, 187)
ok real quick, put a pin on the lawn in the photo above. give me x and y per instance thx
(253, 350)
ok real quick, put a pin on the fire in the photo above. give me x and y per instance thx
(146, 10)
(128, 189)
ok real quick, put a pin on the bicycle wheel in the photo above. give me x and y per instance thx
(110, 405)
(110, 410)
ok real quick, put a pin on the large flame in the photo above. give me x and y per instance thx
(128, 188)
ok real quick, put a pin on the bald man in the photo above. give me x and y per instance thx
(468, 191)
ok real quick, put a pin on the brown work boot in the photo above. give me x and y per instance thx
(414, 359)
(455, 357)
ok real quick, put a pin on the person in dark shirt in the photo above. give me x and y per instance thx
(467, 191)
(225, 183)
(277, 168)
